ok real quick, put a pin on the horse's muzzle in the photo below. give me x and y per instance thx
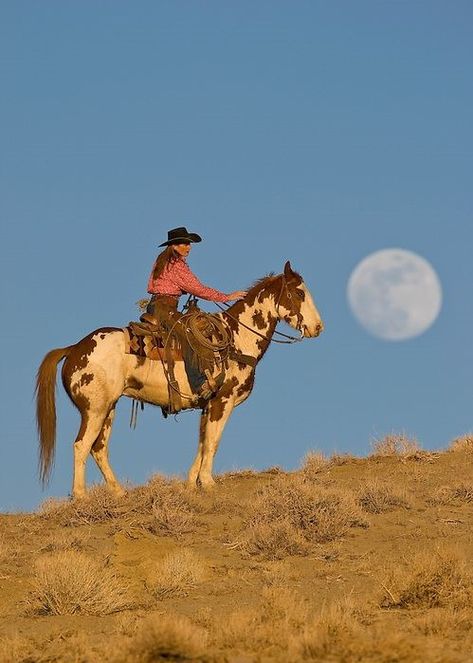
(315, 331)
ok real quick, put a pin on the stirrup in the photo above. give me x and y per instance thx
(211, 385)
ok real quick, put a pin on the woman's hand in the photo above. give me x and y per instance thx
(238, 294)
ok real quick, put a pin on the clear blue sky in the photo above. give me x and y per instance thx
(311, 131)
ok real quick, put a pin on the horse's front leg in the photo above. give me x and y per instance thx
(218, 412)
(195, 468)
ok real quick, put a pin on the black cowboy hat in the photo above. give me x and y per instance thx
(180, 236)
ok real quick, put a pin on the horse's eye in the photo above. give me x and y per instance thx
(300, 294)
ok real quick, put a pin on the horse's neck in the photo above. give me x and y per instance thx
(253, 324)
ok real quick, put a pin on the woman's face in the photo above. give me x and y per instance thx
(182, 250)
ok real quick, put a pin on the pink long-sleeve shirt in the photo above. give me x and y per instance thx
(177, 278)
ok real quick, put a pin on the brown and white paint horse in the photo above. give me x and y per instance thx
(97, 371)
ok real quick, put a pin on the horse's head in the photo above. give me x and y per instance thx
(296, 306)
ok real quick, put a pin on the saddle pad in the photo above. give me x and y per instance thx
(149, 347)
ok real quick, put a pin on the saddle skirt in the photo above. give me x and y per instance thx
(141, 342)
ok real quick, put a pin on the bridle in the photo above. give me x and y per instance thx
(292, 339)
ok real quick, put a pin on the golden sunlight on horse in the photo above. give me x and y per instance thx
(99, 369)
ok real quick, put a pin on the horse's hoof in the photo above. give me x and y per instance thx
(208, 484)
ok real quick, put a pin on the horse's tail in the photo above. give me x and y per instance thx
(46, 410)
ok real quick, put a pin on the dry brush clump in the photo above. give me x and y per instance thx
(267, 628)
(97, 506)
(378, 497)
(460, 493)
(462, 443)
(290, 514)
(429, 580)
(15, 648)
(176, 574)
(71, 583)
(451, 623)
(164, 638)
(313, 464)
(164, 507)
(396, 444)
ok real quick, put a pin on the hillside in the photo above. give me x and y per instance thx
(347, 559)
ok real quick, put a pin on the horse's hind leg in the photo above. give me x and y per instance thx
(91, 426)
(99, 453)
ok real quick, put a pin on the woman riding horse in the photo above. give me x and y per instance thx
(172, 277)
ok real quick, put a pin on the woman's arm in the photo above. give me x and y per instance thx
(186, 280)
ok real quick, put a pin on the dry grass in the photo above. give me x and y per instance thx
(267, 606)
(444, 622)
(274, 540)
(343, 459)
(290, 513)
(176, 575)
(267, 627)
(378, 497)
(70, 583)
(4, 551)
(165, 507)
(63, 540)
(99, 505)
(314, 463)
(429, 580)
(458, 494)
(396, 444)
(276, 574)
(165, 638)
(15, 648)
(342, 638)
(462, 443)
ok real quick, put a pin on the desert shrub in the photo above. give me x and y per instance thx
(170, 516)
(457, 494)
(165, 638)
(176, 575)
(62, 541)
(333, 630)
(313, 464)
(98, 505)
(274, 540)
(69, 583)
(267, 627)
(462, 443)
(377, 497)
(290, 511)
(444, 622)
(343, 459)
(163, 507)
(276, 574)
(429, 581)
(4, 551)
(15, 648)
(395, 444)
(332, 642)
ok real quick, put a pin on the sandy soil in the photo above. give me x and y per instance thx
(381, 574)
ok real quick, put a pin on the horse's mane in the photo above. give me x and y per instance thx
(265, 280)
(258, 284)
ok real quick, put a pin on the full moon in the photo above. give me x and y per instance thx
(395, 294)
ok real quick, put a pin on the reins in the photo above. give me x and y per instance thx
(292, 339)
(224, 342)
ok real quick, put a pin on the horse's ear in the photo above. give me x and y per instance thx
(288, 270)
